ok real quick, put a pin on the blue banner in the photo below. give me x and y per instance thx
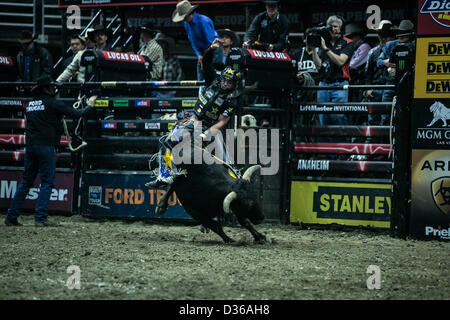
(121, 195)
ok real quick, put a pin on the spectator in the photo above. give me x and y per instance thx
(200, 31)
(171, 70)
(151, 48)
(375, 74)
(304, 62)
(405, 35)
(358, 61)
(332, 61)
(33, 60)
(270, 28)
(77, 44)
(75, 70)
(212, 69)
(43, 132)
(101, 38)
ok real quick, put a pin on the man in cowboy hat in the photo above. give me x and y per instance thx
(171, 70)
(75, 70)
(33, 60)
(100, 36)
(151, 48)
(200, 31)
(269, 27)
(43, 132)
(405, 36)
(212, 68)
(375, 74)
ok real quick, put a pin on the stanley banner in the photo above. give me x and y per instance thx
(351, 204)
(430, 194)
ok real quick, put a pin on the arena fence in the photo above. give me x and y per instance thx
(317, 182)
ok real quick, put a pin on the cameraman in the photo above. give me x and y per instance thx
(332, 60)
(269, 28)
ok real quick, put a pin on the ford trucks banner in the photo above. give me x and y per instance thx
(123, 195)
(61, 198)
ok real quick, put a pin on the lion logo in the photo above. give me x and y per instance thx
(440, 112)
(440, 189)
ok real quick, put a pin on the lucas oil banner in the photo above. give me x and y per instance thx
(120, 195)
(351, 204)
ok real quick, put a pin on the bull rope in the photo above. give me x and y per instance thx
(77, 104)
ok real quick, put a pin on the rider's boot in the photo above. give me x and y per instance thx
(156, 184)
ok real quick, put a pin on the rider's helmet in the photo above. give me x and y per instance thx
(229, 80)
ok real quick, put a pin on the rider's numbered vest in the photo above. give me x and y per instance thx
(211, 104)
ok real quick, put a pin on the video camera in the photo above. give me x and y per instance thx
(314, 34)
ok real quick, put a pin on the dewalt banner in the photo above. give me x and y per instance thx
(432, 73)
(351, 204)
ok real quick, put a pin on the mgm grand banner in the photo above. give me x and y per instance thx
(350, 204)
(125, 195)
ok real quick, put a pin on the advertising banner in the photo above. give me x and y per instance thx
(430, 194)
(61, 198)
(431, 124)
(350, 204)
(433, 17)
(432, 73)
(120, 195)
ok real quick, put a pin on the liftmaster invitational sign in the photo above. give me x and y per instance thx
(432, 74)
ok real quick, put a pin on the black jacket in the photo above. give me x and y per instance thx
(44, 125)
(41, 63)
(270, 32)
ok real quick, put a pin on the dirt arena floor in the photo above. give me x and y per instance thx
(137, 260)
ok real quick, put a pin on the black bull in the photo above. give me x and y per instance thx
(208, 191)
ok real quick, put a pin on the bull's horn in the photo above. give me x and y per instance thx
(248, 173)
(227, 201)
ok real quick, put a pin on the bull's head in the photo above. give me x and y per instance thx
(243, 201)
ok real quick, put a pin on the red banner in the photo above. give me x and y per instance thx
(123, 57)
(106, 3)
(268, 55)
(19, 139)
(61, 198)
(343, 148)
(433, 17)
(6, 61)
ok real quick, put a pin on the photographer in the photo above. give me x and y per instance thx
(332, 61)
(270, 28)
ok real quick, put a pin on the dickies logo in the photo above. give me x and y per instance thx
(440, 189)
(439, 10)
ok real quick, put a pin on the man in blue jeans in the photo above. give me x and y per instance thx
(42, 133)
(332, 61)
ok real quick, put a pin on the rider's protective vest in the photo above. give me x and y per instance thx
(212, 103)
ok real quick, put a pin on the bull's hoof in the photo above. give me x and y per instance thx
(228, 240)
(203, 229)
(160, 210)
(261, 239)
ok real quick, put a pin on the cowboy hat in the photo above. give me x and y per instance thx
(182, 10)
(26, 37)
(352, 29)
(232, 35)
(166, 39)
(405, 28)
(386, 28)
(43, 81)
(90, 34)
(148, 27)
